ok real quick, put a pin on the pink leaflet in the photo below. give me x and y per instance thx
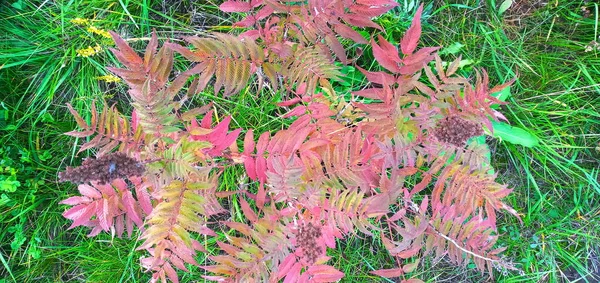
(389, 273)
(412, 36)
(89, 191)
(325, 273)
(387, 58)
(235, 6)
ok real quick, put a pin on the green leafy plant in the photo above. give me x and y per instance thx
(393, 161)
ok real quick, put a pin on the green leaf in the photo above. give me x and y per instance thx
(18, 5)
(33, 249)
(3, 118)
(9, 185)
(463, 63)
(9, 128)
(477, 140)
(504, 6)
(454, 48)
(514, 135)
(47, 118)
(501, 95)
(4, 199)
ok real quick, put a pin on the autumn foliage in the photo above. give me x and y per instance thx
(397, 161)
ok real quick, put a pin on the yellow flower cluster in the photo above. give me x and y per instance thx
(90, 29)
(109, 79)
(98, 31)
(89, 51)
(80, 21)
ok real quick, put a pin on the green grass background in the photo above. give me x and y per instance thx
(556, 97)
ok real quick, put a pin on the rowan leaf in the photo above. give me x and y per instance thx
(413, 34)
(235, 6)
(388, 273)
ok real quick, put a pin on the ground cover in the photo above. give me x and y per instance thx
(48, 58)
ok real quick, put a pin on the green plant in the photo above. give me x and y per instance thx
(392, 161)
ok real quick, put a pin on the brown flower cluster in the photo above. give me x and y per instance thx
(103, 170)
(306, 238)
(456, 130)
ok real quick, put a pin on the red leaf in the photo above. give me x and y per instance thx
(79, 134)
(408, 268)
(171, 273)
(225, 142)
(297, 111)
(421, 185)
(129, 56)
(143, 198)
(89, 191)
(135, 120)
(246, 22)
(76, 200)
(263, 141)
(388, 48)
(261, 195)
(248, 212)
(300, 123)
(373, 10)
(360, 21)
(373, 93)
(399, 214)
(387, 58)
(293, 274)
(103, 214)
(424, 204)
(80, 214)
(294, 100)
(178, 263)
(294, 143)
(325, 273)
(240, 227)
(377, 205)
(220, 129)
(207, 120)
(381, 78)
(251, 34)
(119, 226)
(261, 169)
(249, 142)
(413, 34)
(286, 265)
(106, 189)
(347, 32)
(132, 212)
(250, 166)
(215, 278)
(150, 50)
(264, 12)
(423, 56)
(411, 69)
(231, 250)
(313, 143)
(235, 6)
(80, 122)
(410, 252)
(388, 273)
(337, 48)
(407, 171)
